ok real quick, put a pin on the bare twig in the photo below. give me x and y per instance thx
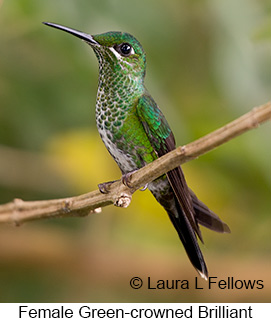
(19, 211)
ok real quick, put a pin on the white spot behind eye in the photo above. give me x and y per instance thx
(121, 58)
(118, 55)
(115, 52)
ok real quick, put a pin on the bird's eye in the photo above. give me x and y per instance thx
(124, 49)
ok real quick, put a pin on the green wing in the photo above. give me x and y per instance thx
(162, 140)
(155, 124)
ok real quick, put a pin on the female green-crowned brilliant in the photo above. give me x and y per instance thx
(135, 132)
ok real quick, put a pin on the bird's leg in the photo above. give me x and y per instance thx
(105, 187)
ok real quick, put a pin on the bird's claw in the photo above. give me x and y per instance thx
(126, 179)
(105, 187)
(144, 187)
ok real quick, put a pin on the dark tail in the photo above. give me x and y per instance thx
(166, 197)
(189, 240)
(203, 216)
(206, 217)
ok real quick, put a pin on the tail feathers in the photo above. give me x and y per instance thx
(185, 229)
(206, 217)
(189, 240)
(182, 194)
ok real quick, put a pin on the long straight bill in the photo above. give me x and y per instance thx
(86, 37)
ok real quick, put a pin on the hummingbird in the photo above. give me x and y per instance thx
(135, 132)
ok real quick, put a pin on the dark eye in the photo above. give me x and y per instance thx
(124, 49)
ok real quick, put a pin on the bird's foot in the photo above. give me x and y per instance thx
(105, 187)
(126, 179)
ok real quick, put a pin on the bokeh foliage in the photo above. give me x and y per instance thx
(208, 62)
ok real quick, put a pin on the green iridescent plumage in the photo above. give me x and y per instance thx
(153, 120)
(135, 132)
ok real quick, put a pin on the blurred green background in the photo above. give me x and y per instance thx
(208, 62)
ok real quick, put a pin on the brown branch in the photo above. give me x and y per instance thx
(19, 211)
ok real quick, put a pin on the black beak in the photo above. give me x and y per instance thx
(86, 37)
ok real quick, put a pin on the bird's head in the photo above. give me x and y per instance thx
(121, 52)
